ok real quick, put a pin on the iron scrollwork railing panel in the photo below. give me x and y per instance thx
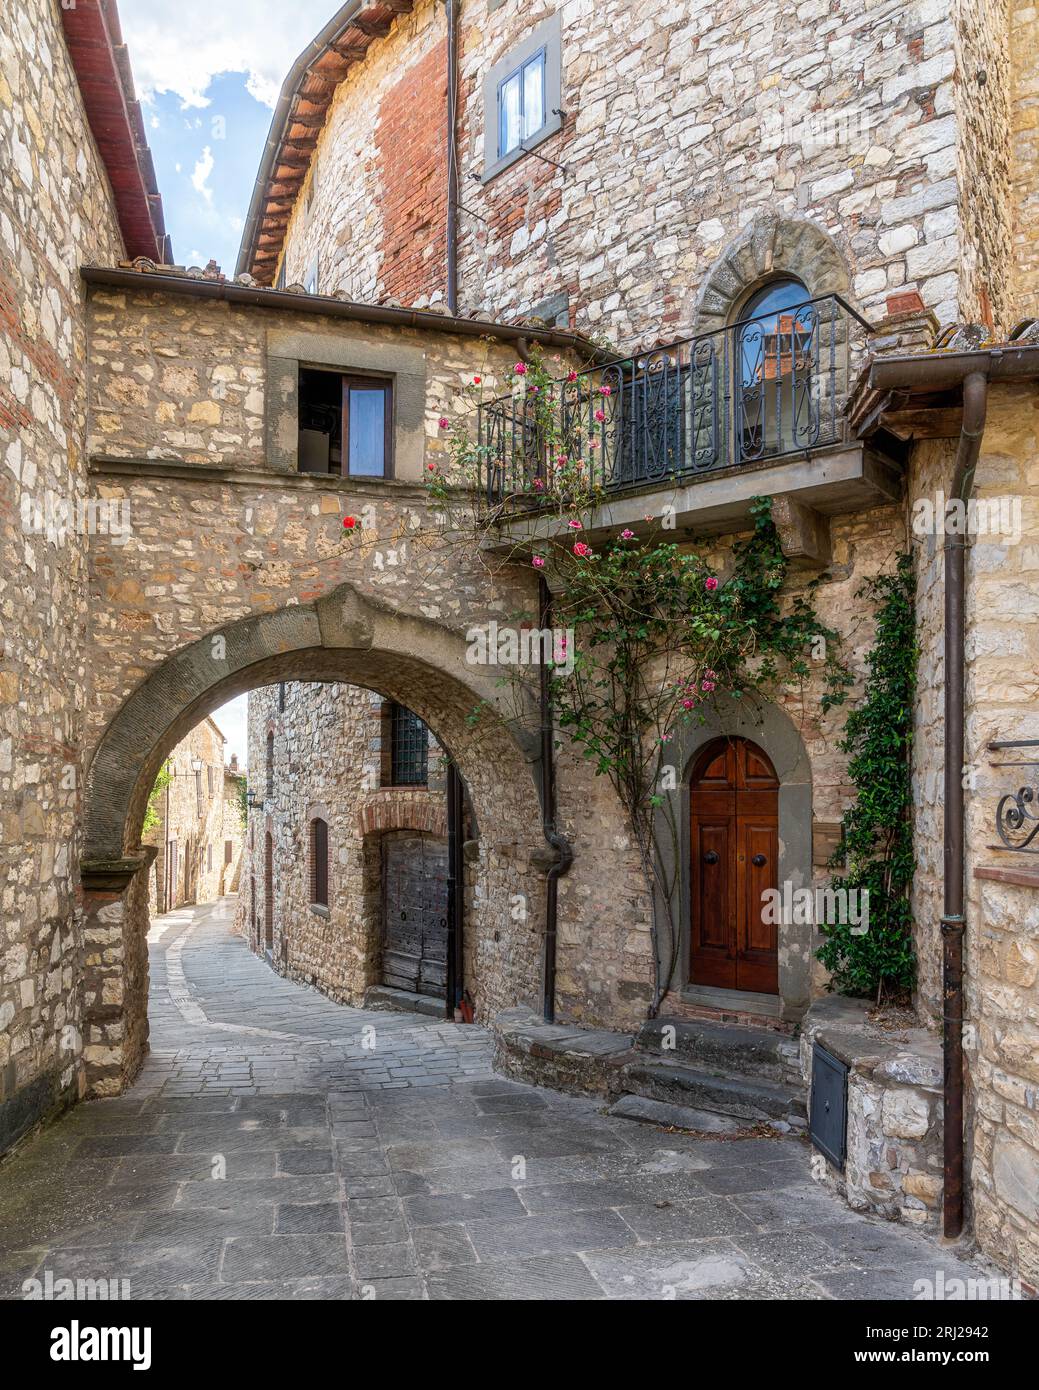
(1017, 814)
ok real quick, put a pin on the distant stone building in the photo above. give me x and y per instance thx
(199, 833)
(344, 877)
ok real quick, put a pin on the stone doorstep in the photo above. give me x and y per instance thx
(738, 1096)
(725, 1048)
(402, 1001)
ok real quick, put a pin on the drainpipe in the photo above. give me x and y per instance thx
(974, 370)
(453, 7)
(975, 402)
(558, 843)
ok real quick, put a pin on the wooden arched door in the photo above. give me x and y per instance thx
(734, 854)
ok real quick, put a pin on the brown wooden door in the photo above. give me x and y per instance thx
(734, 853)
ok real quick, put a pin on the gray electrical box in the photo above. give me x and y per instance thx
(828, 1111)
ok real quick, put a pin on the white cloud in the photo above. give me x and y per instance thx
(203, 169)
(180, 48)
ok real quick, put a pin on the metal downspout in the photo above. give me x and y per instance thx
(561, 846)
(453, 7)
(975, 403)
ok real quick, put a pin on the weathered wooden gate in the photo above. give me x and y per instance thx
(414, 897)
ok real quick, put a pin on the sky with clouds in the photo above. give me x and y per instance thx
(208, 75)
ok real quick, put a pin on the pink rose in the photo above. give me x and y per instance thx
(711, 584)
(520, 369)
(538, 562)
(600, 415)
(605, 391)
(581, 550)
(627, 535)
(574, 526)
(444, 422)
(707, 685)
(571, 375)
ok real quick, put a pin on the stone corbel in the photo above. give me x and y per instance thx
(804, 533)
(112, 876)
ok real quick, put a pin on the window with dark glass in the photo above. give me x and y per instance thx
(409, 748)
(345, 424)
(281, 698)
(319, 862)
(270, 764)
(774, 348)
(521, 104)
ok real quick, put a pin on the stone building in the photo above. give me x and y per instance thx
(851, 178)
(198, 835)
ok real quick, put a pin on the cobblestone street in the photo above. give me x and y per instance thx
(274, 1147)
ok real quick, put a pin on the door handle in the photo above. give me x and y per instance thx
(710, 857)
(758, 860)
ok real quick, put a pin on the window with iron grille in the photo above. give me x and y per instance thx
(319, 861)
(409, 748)
(270, 764)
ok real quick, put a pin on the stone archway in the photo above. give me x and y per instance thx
(772, 730)
(345, 638)
(771, 245)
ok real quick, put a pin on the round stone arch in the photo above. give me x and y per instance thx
(772, 729)
(770, 246)
(342, 637)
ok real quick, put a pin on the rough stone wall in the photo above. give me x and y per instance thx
(682, 125)
(894, 1159)
(201, 873)
(931, 468)
(1024, 116)
(1002, 944)
(187, 380)
(55, 211)
(983, 96)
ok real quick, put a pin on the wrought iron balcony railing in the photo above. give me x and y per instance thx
(761, 389)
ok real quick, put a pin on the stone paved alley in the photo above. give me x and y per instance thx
(266, 1153)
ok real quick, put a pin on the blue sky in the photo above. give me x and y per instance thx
(208, 75)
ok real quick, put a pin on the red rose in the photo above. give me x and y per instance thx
(349, 522)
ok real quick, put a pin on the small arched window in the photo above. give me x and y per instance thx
(270, 763)
(319, 862)
(775, 352)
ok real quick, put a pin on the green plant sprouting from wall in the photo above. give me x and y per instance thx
(152, 818)
(877, 843)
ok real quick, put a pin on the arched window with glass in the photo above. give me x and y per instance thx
(775, 347)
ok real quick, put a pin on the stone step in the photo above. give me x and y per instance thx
(724, 1047)
(739, 1096)
(403, 1001)
(658, 1112)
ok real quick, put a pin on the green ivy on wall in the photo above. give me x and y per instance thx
(877, 830)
